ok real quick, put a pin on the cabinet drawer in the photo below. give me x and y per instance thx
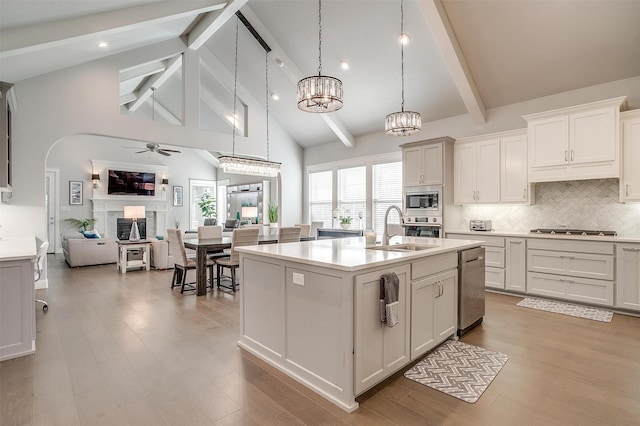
(488, 240)
(494, 257)
(494, 277)
(574, 264)
(433, 265)
(586, 290)
(577, 246)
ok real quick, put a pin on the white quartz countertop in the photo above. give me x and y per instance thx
(352, 254)
(18, 248)
(478, 235)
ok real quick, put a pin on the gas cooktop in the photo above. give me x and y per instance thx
(566, 231)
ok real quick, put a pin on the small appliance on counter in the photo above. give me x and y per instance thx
(480, 225)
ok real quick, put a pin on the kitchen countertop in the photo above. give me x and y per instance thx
(616, 239)
(351, 254)
(18, 248)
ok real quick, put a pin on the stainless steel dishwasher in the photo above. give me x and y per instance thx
(470, 289)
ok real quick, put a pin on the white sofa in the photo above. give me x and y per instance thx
(81, 251)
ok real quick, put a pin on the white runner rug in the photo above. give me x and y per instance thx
(567, 309)
(458, 369)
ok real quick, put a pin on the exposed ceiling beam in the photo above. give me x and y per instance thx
(29, 38)
(161, 111)
(436, 16)
(155, 82)
(294, 74)
(211, 23)
(125, 99)
(142, 70)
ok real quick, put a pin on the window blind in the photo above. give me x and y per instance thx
(386, 191)
(320, 197)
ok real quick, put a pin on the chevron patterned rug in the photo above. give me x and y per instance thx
(458, 369)
(566, 309)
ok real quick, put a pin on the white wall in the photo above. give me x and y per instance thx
(84, 100)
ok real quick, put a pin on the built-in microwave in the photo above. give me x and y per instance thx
(423, 201)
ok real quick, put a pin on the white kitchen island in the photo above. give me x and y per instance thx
(311, 309)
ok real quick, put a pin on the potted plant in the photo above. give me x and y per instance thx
(345, 222)
(273, 215)
(207, 205)
(81, 224)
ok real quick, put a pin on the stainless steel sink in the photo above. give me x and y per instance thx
(403, 247)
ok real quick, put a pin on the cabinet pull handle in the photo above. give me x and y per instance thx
(515, 242)
(571, 155)
(524, 194)
(478, 195)
(626, 189)
(630, 248)
(565, 155)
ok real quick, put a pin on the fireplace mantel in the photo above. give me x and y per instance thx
(156, 211)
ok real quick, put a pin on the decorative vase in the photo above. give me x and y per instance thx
(345, 225)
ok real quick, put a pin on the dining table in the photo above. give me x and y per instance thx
(204, 246)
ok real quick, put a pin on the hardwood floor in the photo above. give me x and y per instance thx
(119, 349)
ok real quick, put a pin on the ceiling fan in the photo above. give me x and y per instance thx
(154, 147)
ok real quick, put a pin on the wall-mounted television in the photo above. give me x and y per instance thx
(131, 183)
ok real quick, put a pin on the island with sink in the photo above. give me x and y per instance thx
(312, 309)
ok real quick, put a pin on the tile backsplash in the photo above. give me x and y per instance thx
(586, 204)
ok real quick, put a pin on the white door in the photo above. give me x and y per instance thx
(464, 166)
(514, 170)
(488, 171)
(412, 166)
(549, 142)
(631, 131)
(432, 160)
(592, 136)
(51, 203)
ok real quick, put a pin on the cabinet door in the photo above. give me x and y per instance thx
(631, 137)
(516, 271)
(464, 165)
(423, 294)
(379, 350)
(628, 273)
(548, 142)
(412, 166)
(488, 171)
(592, 136)
(446, 306)
(432, 161)
(513, 173)
(17, 312)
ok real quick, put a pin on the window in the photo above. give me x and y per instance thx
(352, 194)
(386, 191)
(196, 189)
(320, 197)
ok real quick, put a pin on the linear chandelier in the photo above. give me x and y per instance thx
(320, 93)
(402, 123)
(243, 165)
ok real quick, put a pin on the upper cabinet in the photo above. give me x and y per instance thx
(492, 169)
(581, 142)
(424, 163)
(631, 148)
(5, 137)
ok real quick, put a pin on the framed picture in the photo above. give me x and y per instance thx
(75, 192)
(177, 196)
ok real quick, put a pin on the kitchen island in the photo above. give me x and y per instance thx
(311, 309)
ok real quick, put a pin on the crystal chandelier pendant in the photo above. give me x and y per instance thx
(249, 166)
(403, 123)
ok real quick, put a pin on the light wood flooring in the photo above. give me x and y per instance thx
(119, 349)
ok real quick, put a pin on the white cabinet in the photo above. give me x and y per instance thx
(433, 311)
(628, 276)
(422, 165)
(581, 142)
(17, 310)
(515, 186)
(575, 270)
(516, 266)
(494, 254)
(379, 350)
(631, 148)
(5, 136)
(476, 167)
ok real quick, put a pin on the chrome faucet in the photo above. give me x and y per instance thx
(385, 234)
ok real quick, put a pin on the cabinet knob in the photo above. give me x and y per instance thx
(565, 155)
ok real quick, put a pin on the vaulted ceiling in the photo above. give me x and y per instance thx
(465, 56)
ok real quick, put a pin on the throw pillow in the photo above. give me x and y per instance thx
(91, 234)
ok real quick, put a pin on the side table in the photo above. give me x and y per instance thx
(124, 246)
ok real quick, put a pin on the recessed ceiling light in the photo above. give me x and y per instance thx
(345, 65)
(103, 44)
(404, 39)
(275, 96)
(279, 62)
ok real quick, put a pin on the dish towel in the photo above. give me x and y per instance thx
(389, 305)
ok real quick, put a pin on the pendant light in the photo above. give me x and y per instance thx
(240, 165)
(402, 123)
(320, 93)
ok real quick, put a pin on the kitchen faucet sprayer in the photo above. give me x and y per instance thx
(385, 234)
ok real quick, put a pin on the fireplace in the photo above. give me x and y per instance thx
(108, 211)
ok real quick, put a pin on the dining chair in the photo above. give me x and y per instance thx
(258, 226)
(182, 262)
(304, 229)
(289, 234)
(315, 225)
(205, 232)
(39, 266)
(241, 237)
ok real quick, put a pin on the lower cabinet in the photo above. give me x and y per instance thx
(598, 292)
(628, 276)
(17, 309)
(379, 350)
(516, 265)
(433, 311)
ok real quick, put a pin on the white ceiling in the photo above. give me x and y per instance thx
(464, 55)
